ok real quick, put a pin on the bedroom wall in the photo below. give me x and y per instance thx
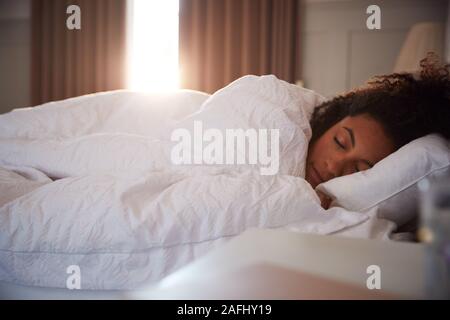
(14, 54)
(339, 52)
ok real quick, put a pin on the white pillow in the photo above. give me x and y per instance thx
(391, 183)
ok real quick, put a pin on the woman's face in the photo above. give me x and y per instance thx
(351, 145)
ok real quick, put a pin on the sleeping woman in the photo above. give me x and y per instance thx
(352, 132)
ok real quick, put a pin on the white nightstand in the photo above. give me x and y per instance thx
(259, 261)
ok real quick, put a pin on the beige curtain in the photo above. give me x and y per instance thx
(67, 63)
(221, 40)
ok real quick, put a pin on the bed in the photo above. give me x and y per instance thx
(88, 187)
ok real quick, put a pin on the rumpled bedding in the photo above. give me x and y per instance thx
(89, 182)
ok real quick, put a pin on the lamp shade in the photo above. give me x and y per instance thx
(421, 39)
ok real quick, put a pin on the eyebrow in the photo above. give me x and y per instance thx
(352, 137)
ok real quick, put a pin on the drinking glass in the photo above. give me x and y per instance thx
(435, 233)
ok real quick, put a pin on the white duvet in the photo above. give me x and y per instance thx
(89, 182)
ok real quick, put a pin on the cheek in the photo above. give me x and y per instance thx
(324, 148)
(317, 151)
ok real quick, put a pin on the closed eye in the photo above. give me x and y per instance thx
(338, 143)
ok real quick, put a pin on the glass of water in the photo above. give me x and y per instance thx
(435, 233)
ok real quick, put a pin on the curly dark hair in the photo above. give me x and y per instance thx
(407, 106)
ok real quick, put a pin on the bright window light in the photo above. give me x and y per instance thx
(153, 45)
